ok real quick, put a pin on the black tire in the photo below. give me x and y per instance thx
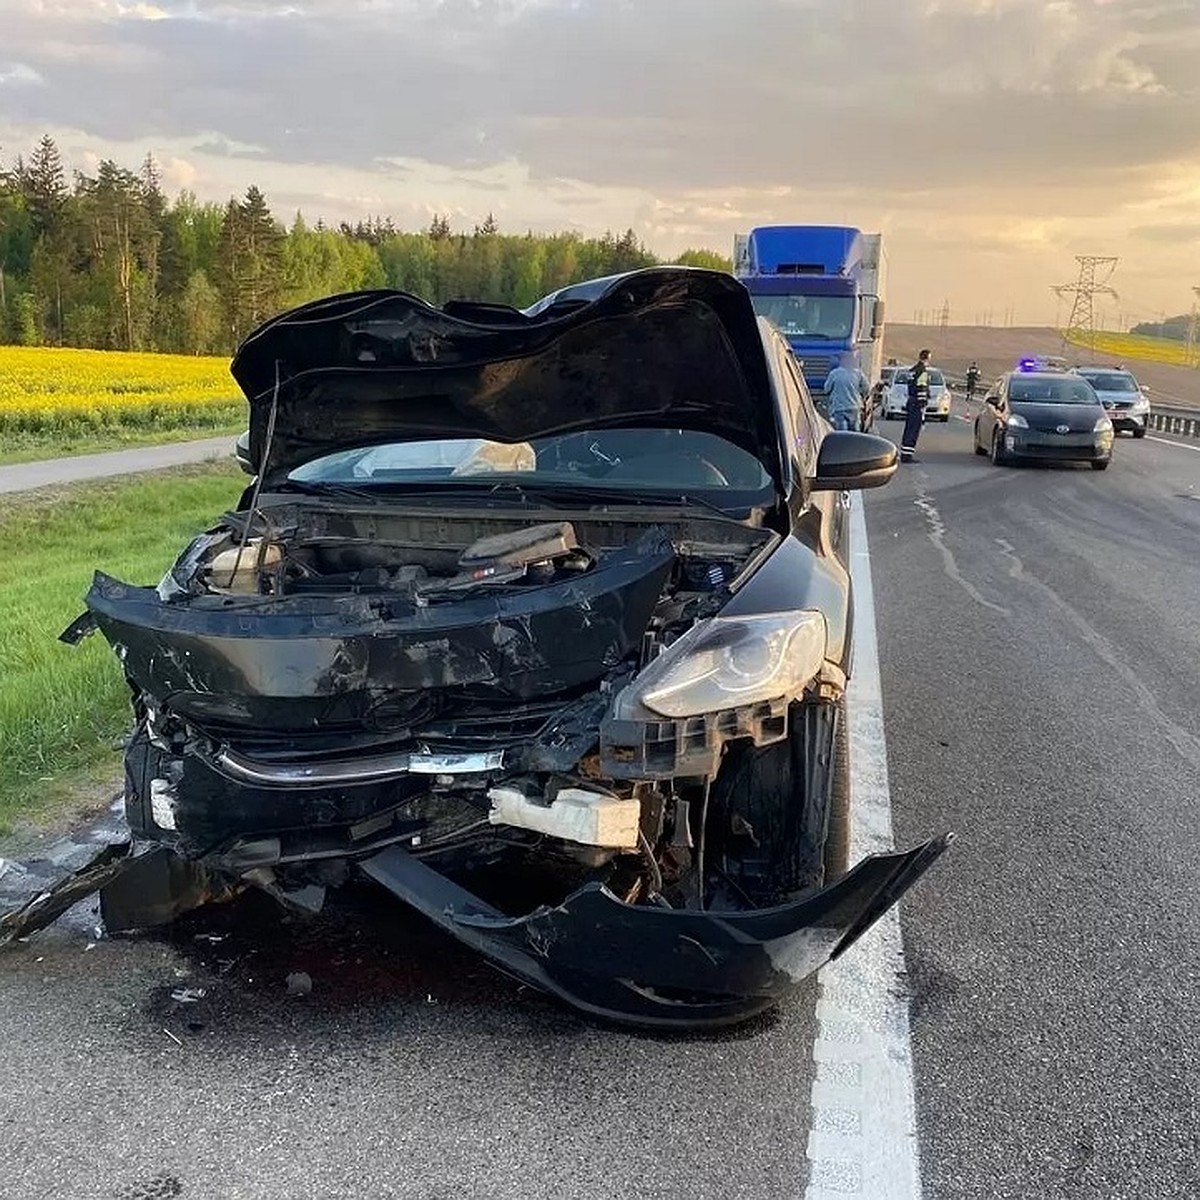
(1139, 433)
(998, 458)
(770, 810)
(837, 836)
(1100, 465)
(980, 450)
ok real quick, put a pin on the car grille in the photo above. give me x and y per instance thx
(1040, 437)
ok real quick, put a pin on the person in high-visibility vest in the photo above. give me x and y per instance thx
(918, 397)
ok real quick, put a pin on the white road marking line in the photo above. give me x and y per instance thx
(864, 1136)
(1168, 442)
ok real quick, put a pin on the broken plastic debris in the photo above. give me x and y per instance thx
(299, 983)
(188, 995)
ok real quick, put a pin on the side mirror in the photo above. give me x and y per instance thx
(877, 321)
(241, 451)
(854, 461)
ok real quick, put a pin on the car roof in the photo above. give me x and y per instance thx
(1035, 374)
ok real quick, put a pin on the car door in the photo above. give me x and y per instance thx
(988, 416)
(834, 507)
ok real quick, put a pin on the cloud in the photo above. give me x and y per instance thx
(16, 74)
(1182, 236)
(945, 121)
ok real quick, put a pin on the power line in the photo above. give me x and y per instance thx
(1192, 329)
(1094, 273)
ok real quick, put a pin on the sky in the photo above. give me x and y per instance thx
(990, 140)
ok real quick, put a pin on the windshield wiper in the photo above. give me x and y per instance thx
(345, 490)
(570, 493)
(559, 494)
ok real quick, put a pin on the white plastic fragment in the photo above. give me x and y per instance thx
(162, 804)
(575, 815)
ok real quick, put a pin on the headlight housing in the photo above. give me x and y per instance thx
(1016, 421)
(1103, 425)
(1140, 405)
(728, 662)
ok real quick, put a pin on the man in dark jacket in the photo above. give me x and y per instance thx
(918, 397)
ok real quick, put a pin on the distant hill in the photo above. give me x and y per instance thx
(998, 350)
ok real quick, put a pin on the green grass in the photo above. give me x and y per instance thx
(30, 447)
(62, 708)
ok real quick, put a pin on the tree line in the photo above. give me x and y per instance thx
(109, 262)
(1172, 328)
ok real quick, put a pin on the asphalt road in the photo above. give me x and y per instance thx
(1040, 652)
(24, 477)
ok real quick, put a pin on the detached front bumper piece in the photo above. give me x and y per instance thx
(660, 967)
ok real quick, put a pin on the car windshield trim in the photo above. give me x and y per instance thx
(1051, 392)
(1111, 381)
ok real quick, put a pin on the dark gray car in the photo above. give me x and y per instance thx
(541, 620)
(1044, 415)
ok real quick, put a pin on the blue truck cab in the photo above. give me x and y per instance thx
(821, 286)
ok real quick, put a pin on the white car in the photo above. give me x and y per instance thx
(1124, 399)
(895, 396)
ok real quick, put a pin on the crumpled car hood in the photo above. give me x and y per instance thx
(671, 347)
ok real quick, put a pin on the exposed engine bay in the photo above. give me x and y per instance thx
(458, 684)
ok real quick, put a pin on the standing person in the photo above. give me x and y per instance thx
(918, 397)
(972, 380)
(846, 389)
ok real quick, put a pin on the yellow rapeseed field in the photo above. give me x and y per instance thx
(1136, 347)
(59, 391)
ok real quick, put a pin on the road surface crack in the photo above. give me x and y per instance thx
(1186, 744)
(937, 535)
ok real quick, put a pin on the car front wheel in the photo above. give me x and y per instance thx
(998, 456)
(772, 807)
(1100, 465)
(980, 450)
(1139, 433)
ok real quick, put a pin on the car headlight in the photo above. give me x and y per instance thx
(727, 662)
(1103, 425)
(1140, 405)
(1016, 421)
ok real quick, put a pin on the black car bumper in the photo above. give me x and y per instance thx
(1057, 447)
(661, 967)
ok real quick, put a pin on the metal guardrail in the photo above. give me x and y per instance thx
(1180, 421)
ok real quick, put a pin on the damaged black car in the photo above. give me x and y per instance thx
(541, 619)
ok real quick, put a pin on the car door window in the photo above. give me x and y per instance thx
(806, 427)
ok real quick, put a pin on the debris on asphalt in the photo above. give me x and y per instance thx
(173, 1038)
(299, 983)
(188, 995)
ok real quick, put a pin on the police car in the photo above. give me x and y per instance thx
(895, 394)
